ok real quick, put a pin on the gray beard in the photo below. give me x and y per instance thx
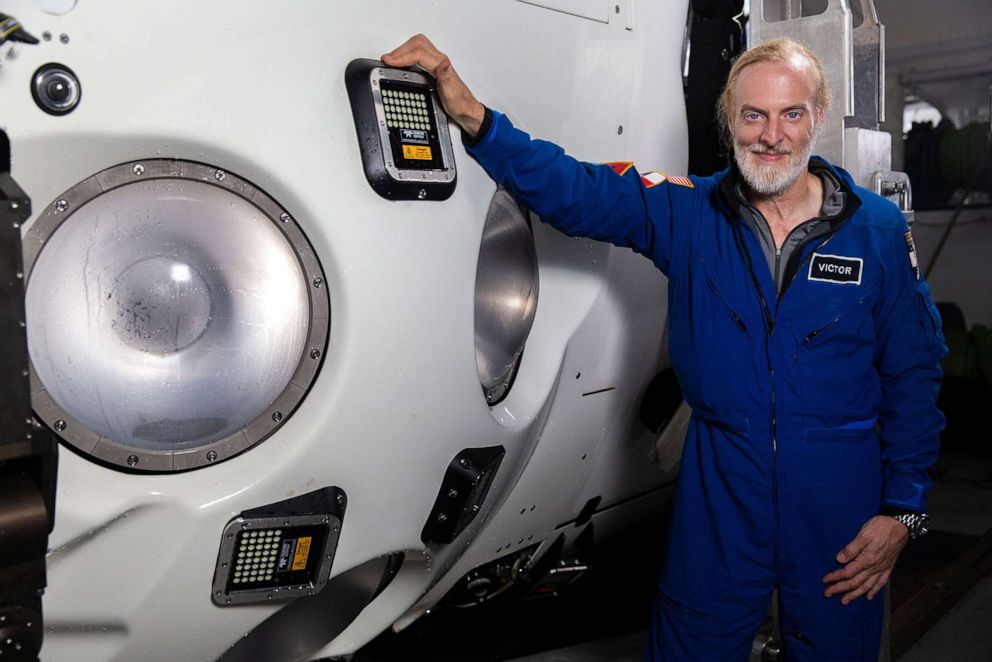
(773, 179)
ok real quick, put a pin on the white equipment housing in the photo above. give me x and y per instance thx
(257, 89)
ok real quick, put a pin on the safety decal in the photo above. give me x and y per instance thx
(417, 152)
(679, 180)
(302, 552)
(653, 178)
(620, 167)
(836, 269)
(911, 247)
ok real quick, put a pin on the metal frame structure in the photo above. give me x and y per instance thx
(849, 40)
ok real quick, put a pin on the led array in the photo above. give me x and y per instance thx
(257, 554)
(406, 110)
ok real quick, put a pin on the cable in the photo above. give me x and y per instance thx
(925, 224)
(957, 211)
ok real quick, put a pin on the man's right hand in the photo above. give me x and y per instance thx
(458, 101)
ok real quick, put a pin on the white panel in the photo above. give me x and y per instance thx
(596, 10)
(56, 7)
(399, 393)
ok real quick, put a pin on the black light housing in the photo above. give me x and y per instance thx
(281, 550)
(463, 490)
(402, 132)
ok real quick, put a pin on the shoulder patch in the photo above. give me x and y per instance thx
(620, 167)
(650, 179)
(679, 180)
(653, 178)
(911, 247)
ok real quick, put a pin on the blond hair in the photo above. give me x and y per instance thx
(784, 50)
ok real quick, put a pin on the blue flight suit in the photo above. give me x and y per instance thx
(811, 408)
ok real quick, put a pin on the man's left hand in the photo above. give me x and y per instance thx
(868, 560)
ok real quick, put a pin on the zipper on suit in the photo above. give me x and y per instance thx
(774, 422)
(769, 332)
(792, 268)
(778, 249)
(809, 337)
(738, 320)
(771, 369)
(778, 258)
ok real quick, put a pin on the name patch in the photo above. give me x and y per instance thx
(836, 269)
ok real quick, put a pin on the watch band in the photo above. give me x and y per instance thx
(917, 523)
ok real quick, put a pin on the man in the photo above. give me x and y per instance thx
(799, 324)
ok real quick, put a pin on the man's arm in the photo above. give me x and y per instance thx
(601, 201)
(910, 348)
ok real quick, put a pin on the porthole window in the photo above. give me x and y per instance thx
(176, 315)
(506, 290)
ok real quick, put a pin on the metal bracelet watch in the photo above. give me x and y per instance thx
(917, 523)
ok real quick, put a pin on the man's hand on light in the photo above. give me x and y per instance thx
(868, 560)
(458, 101)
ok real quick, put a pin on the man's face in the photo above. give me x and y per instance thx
(774, 124)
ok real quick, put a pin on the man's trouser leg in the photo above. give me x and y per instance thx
(681, 634)
(818, 628)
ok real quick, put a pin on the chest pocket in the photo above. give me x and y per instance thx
(710, 338)
(835, 359)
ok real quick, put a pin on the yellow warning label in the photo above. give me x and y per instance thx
(302, 552)
(417, 152)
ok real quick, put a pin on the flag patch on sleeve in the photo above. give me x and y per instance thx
(654, 178)
(911, 248)
(620, 167)
(679, 180)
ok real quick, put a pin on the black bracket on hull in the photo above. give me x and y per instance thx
(28, 452)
